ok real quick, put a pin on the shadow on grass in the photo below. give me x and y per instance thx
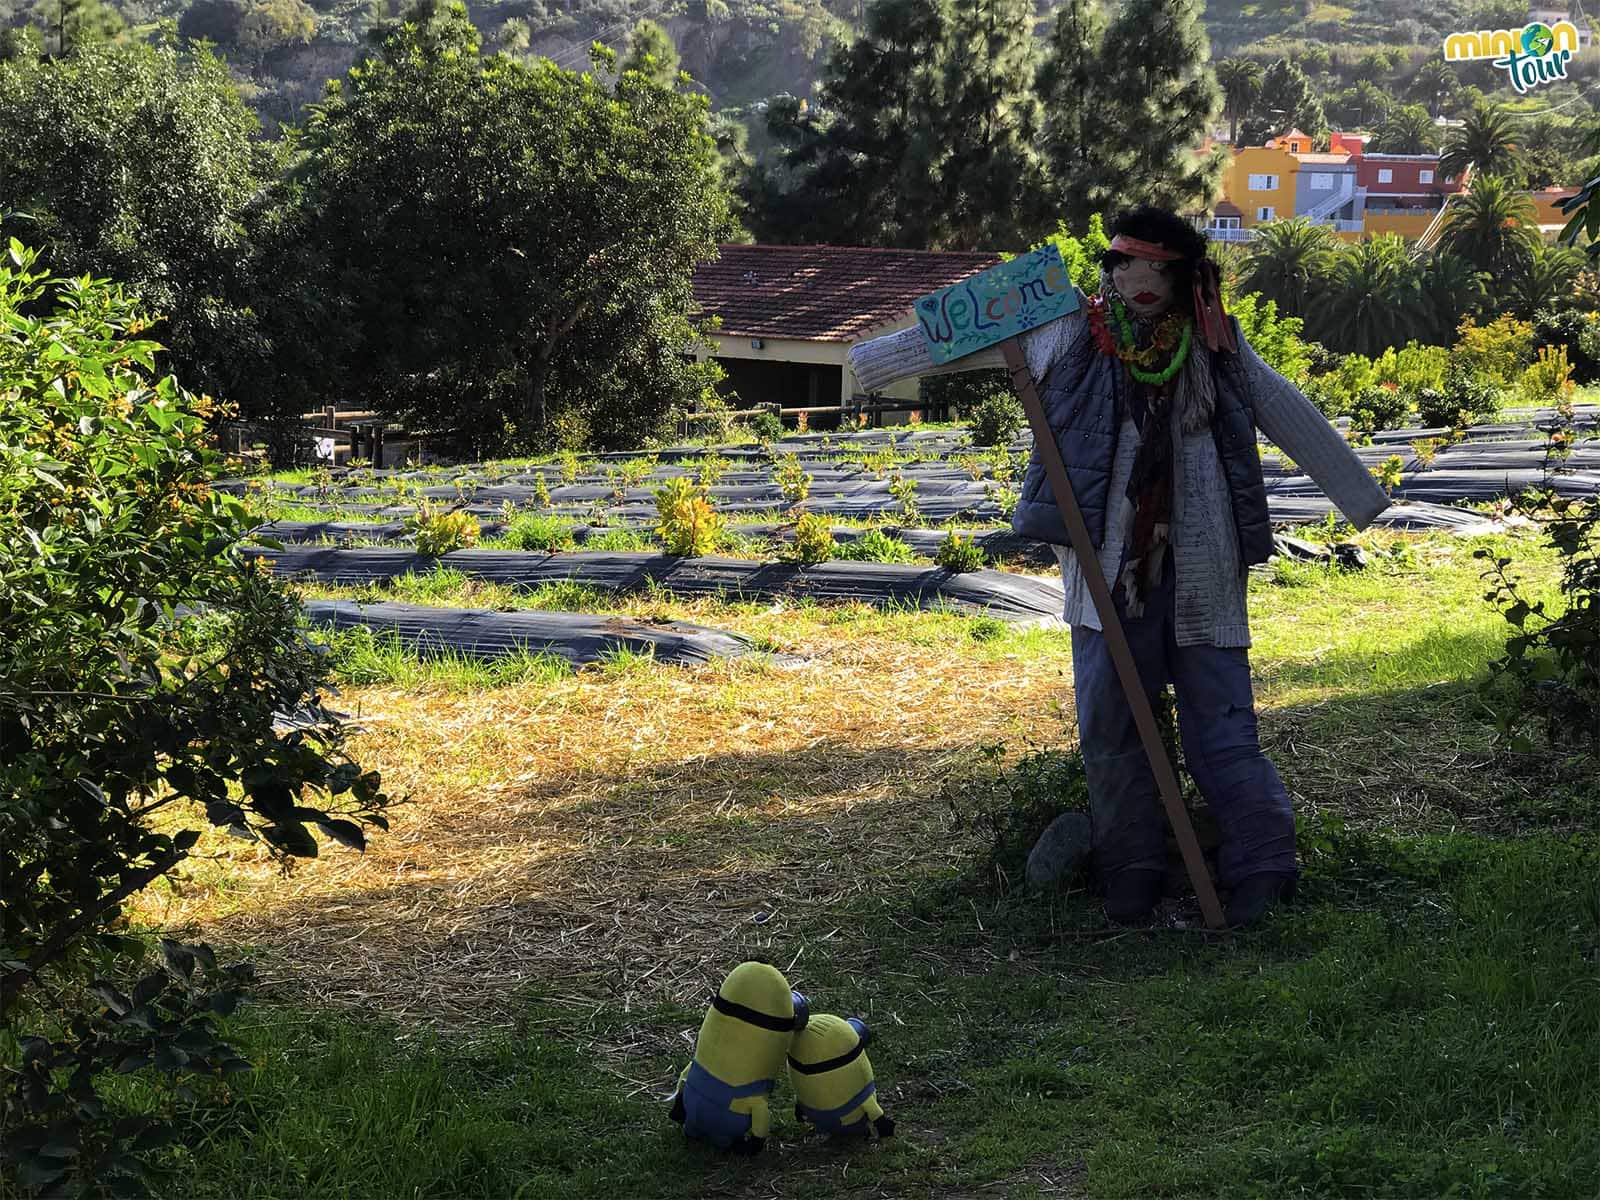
(1436, 1036)
(639, 886)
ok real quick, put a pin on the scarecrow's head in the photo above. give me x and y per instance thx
(1157, 263)
(1152, 260)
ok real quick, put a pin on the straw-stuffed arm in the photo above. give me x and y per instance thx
(1298, 427)
(903, 354)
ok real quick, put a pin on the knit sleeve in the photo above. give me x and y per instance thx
(1293, 423)
(903, 354)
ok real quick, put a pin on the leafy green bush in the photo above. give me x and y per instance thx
(1437, 408)
(535, 531)
(766, 426)
(904, 489)
(1548, 379)
(1426, 448)
(997, 418)
(441, 532)
(1006, 498)
(1412, 369)
(959, 553)
(710, 470)
(1276, 339)
(687, 522)
(1495, 353)
(813, 539)
(1389, 473)
(1475, 397)
(1555, 668)
(1337, 393)
(1379, 407)
(793, 480)
(961, 392)
(876, 546)
(1579, 332)
(114, 707)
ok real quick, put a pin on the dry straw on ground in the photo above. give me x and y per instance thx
(619, 839)
(615, 840)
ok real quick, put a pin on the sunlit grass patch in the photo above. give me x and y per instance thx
(374, 658)
(584, 855)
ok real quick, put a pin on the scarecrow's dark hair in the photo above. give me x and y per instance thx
(1151, 224)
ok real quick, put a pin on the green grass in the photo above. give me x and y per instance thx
(1424, 1023)
(368, 658)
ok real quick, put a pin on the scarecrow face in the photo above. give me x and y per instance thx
(1146, 287)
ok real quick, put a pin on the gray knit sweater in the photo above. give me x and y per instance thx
(1211, 583)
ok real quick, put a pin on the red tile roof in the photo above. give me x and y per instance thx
(823, 293)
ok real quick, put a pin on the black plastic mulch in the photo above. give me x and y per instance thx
(995, 593)
(579, 638)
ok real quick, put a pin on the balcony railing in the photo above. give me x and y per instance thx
(1229, 233)
(1423, 211)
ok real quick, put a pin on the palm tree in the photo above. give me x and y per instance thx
(1406, 130)
(1486, 140)
(1233, 262)
(1371, 66)
(1240, 81)
(1371, 300)
(1433, 84)
(1492, 227)
(1288, 261)
(1545, 281)
(1372, 103)
(1451, 288)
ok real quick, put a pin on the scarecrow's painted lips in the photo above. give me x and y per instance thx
(1145, 298)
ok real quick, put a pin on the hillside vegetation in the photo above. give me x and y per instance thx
(739, 52)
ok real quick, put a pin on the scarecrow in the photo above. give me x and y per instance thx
(1155, 398)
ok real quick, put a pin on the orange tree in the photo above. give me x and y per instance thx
(150, 686)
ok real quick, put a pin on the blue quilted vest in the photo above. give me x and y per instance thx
(1085, 404)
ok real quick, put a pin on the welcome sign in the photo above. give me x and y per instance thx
(996, 304)
(1535, 54)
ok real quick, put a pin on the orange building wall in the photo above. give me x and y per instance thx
(1258, 160)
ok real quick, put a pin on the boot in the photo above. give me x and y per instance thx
(1131, 895)
(1252, 899)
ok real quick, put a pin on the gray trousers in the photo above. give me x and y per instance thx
(1217, 726)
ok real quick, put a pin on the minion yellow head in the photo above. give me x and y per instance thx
(747, 1029)
(832, 1076)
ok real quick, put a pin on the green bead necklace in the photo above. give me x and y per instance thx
(1154, 378)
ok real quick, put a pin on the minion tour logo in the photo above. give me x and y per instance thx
(1536, 54)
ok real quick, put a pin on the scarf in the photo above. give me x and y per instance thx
(1147, 539)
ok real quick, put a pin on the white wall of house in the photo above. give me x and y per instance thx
(796, 350)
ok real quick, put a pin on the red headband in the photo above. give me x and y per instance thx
(1210, 318)
(1134, 248)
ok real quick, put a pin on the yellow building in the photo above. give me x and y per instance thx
(1408, 223)
(1547, 208)
(1260, 180)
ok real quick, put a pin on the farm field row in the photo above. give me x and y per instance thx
(519, 965)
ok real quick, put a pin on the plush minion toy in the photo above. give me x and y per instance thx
(832, 1077)
(722, 1093)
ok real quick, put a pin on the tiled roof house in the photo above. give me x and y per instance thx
(789, 314)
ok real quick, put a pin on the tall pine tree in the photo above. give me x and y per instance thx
(1069, 139)
(1157, 99)
(1286, 101)
(988, 190)
(860, 168)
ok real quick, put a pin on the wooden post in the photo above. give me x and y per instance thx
(1116, 641)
